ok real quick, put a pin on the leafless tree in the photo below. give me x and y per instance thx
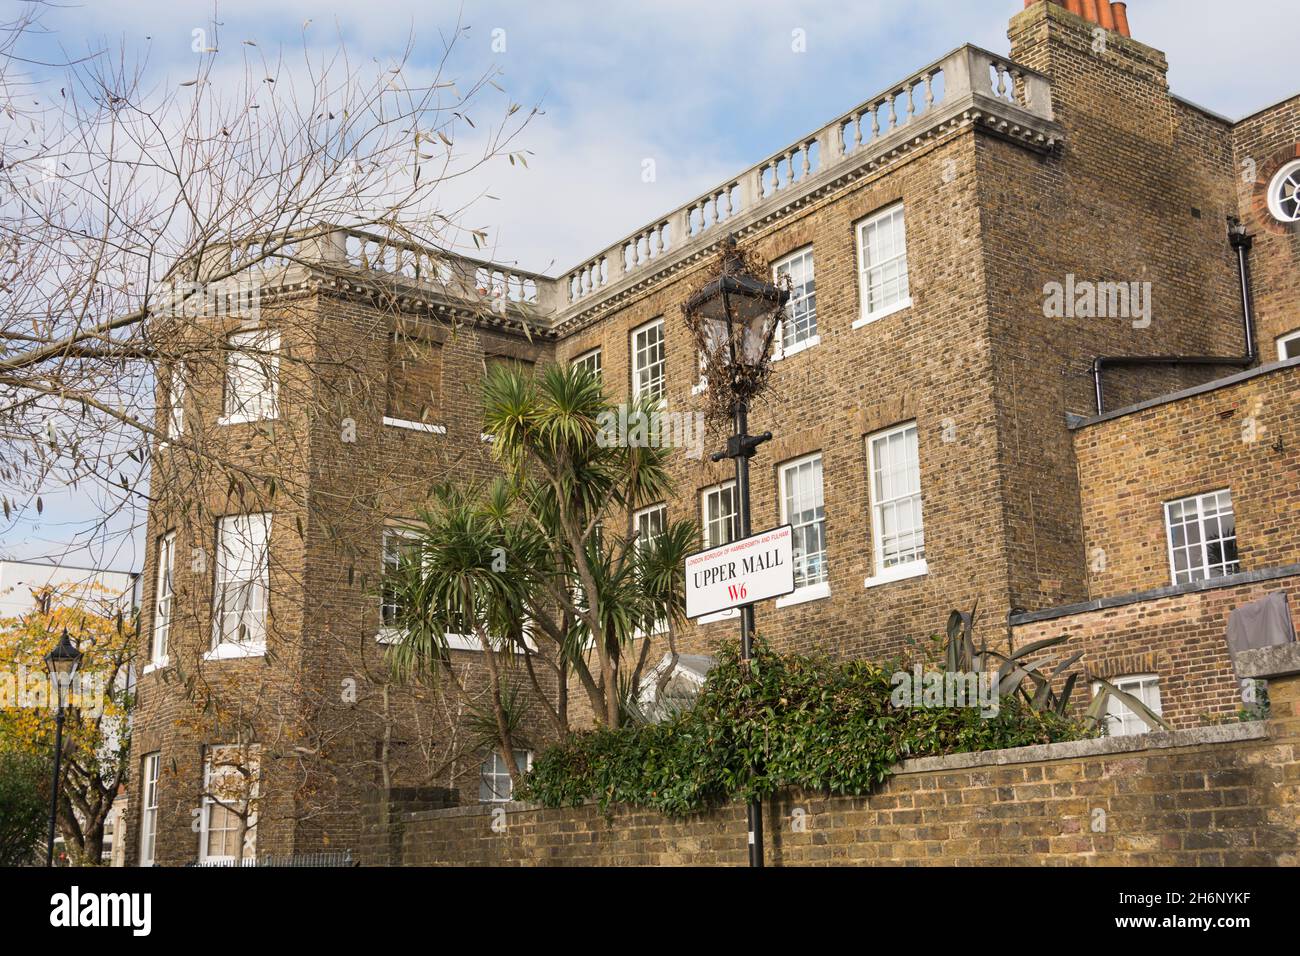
(153, 248)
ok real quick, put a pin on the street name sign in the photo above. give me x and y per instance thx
(742, 572)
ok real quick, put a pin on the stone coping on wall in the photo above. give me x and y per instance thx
(1281, 660)
(1102, 746)
(1155, 594)
(1041, 753)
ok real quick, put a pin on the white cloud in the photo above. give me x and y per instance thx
(703, 89)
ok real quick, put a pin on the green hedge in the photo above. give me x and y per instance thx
(805, 722)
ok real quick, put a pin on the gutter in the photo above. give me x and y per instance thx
(1241, 241)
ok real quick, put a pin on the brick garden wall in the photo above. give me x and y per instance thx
(1220, 796)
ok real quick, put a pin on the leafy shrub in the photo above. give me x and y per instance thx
(24, 806)
(793, 721)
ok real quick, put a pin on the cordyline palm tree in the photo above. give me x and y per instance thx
(529, 565)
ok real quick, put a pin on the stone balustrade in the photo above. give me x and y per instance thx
(966, 77)
(970, 83)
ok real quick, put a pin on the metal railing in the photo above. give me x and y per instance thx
(329, 858)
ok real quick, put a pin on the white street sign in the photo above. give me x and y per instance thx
(739, 573)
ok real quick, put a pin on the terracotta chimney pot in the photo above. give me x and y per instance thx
(1121, 18)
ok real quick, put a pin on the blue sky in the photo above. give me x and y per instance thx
(704, 88)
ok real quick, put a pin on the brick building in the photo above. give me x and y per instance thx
(1028, 362)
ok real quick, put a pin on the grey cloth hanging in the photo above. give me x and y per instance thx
(1261, 623)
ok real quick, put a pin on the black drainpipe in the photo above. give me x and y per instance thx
(1241, 241)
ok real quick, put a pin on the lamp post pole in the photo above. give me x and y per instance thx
(740, 448)
(734, 317)
(54, 786)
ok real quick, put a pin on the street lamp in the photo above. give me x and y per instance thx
(62, 663)
(734, 318)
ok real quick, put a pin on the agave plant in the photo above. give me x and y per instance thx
(1024, 672)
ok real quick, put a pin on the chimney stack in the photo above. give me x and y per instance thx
(1110, 16)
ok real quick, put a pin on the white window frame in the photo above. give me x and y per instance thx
(593, 360)
(661, 393)
(1284, 341)
(907, 569)
(646, 512)
(208, 803)
(241, 360)
(707, 538)
(391, 635)
(779, 349)
(164, 601)
(388, 634)
(1201, 517)
(661, 627)
(819, 589)
(706, 521)
(522, 756)
(223, 648)
(1289, 172)
(869, 314)
(176, 403)
(150, 767)
(1121, 721)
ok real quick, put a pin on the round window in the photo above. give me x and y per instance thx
(1284, 193)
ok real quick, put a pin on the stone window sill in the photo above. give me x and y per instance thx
(229, 652)
(415, 426)
(245, 419)
(813, 592)
(798, 347)
(883, 313)
(903, 572)
(457, 642)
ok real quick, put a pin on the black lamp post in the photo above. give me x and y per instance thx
(738, 314)
(62, 663)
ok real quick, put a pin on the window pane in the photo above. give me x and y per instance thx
(720, 517)
(800, 321)
(240, 593)
(1202, 537)
(883, 261)
(803, 509)
(898, 526)
(252, 371)
(164, 596)
(648, 361)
